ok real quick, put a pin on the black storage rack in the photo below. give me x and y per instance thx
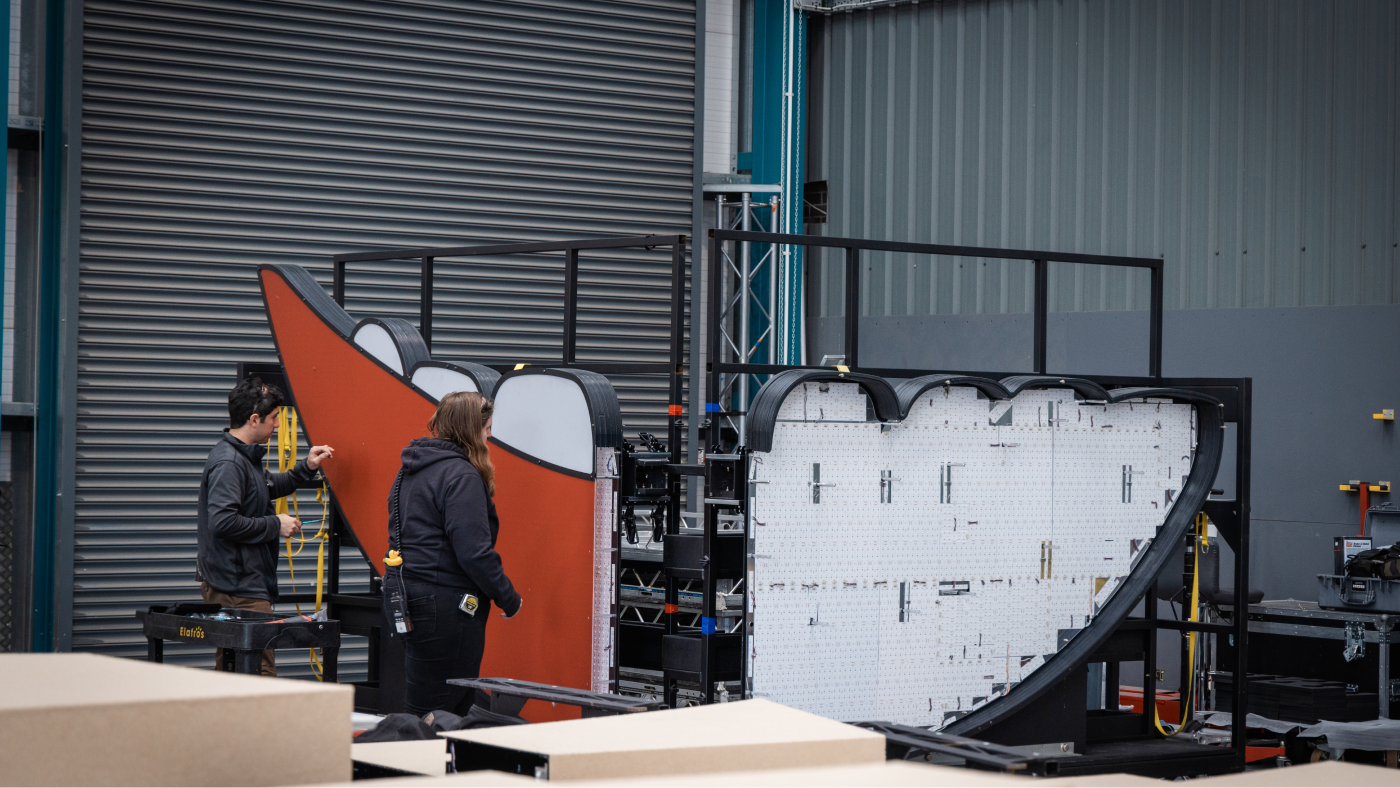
(243, 633)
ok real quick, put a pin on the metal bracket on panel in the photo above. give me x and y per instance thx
(887, 480)
(817, 484)
(945, 480)
(904, 611)
(1127, 484)
(954, 587)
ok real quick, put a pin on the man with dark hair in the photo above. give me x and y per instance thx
(238, 526)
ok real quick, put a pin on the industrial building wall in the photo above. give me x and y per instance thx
(1253, 146)
(220, 134)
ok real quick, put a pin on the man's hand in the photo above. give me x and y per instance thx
(289, 525)
(318, 455)
(517, 610)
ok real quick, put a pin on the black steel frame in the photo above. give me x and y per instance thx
(1232, 517)
(674, 368)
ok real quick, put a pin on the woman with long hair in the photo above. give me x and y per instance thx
(446, 526)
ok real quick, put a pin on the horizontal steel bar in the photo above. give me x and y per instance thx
(1196, 626)
(1309, 631)
(938, 249)
(741, 188)
(602, 368)
(621, 242)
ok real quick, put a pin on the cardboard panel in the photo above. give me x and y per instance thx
(427, 757)
(85, 719)
(743, 735)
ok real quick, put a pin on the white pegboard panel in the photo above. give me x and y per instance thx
(912, 572)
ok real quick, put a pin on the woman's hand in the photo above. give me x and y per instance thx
(517, 610)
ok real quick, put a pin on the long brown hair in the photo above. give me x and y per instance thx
(461, 418)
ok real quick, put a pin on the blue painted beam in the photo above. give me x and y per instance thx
(46, 504)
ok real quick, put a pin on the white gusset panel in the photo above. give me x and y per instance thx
(376, 341)
(545, 417)
(438, 382)
(912, 572)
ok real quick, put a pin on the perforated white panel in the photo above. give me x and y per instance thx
(912, 572)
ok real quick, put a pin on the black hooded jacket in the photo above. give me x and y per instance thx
(238, 526)
(449, 524)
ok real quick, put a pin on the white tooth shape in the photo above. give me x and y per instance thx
(546, 418)
(392, 341)
(440, 381)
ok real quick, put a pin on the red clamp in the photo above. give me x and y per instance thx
(670, 608)
(675, 410)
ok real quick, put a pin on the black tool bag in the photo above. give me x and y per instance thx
(1381, 562)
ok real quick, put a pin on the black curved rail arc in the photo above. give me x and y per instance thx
(1210, 424)
(1087, 389)
(763, 411)
(310, 291)
(910, 390)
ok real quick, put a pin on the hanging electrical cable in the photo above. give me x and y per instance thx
(1187, 698)
(287, 450)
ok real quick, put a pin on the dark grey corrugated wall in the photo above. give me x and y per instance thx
(219, 134)
(1254, 144)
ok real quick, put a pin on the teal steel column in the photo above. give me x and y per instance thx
(793, 174)
(46, 504)
(779, 153)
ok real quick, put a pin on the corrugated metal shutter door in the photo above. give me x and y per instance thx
(220, 134)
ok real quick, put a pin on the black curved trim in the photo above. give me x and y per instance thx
(910, 390)
(310, 291)
(1086, 389)
(407, 341)
(604, 412)
(763, 411)
(484, 377)
(1210, 440)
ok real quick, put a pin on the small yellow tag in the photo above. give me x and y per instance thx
(842, 368)
(521, 366)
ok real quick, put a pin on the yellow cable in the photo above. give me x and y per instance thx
(287, 451)
(1186, 698)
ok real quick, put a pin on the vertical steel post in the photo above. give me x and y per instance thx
(852, 306)
(1042, 297)
(1154, 358)
(713, 409)
(745, 296)
(425, 303)
(1244, 399)
(338, 282)
(774, 278)
(571, 307)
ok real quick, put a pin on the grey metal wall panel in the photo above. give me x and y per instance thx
(1251, 144)
(219, 134)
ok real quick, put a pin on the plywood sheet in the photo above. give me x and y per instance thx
(420, 757)
(886, 773)
(744, 735)
(85, 719)
(484, 779)
(1326, 773)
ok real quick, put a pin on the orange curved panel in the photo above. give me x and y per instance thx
(368, 413)
(348, 402)
(546, 520)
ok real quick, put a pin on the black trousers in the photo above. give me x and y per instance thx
(445, 643)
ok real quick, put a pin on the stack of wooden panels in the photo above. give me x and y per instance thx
(84, 719)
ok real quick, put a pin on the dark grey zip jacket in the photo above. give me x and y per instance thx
(449, 524)
(238, 526)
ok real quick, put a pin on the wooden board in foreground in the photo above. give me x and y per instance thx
(85, 719)
(740, 736)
